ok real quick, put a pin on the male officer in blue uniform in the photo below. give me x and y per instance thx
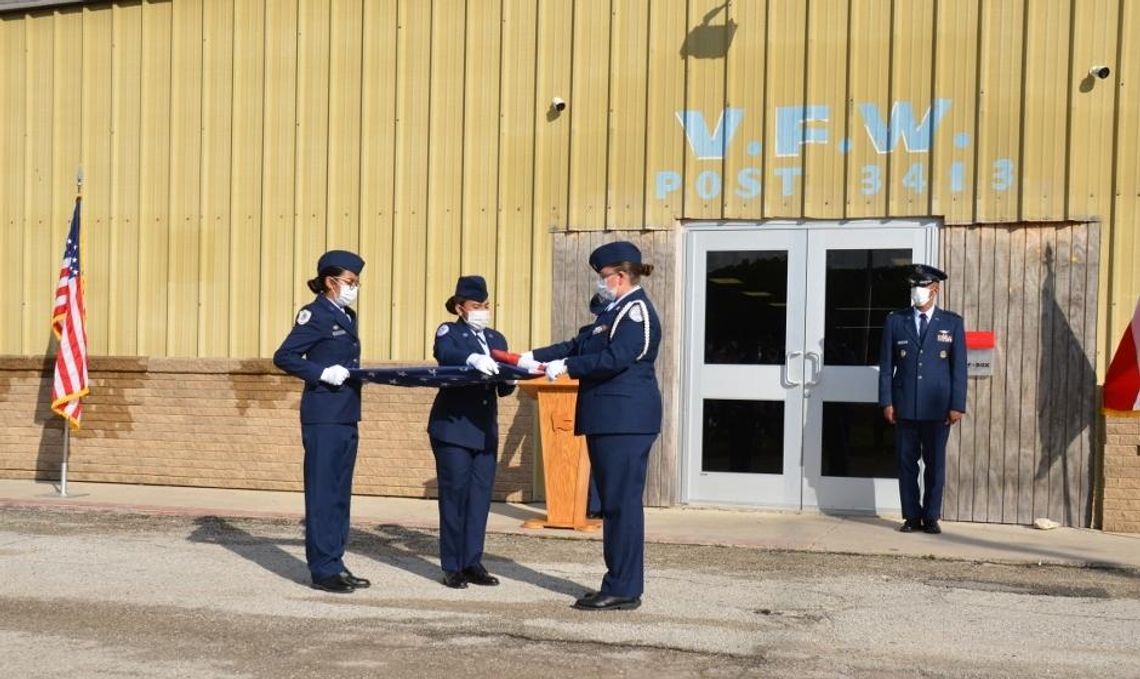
(618, 411)
(464, 430)
(320, 349)
(922, 390)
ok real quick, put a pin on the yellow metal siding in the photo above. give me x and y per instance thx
(243, 284)
(123, 266)
(226, 143)
(154, 179)
(519, 241)
(1120, 272)
(377, 173)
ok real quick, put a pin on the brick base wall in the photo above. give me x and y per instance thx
(227, 423)
(1122, 474)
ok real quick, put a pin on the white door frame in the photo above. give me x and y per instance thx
(801, 486)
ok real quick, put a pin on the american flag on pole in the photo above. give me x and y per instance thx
(69, 322)
(1122, 383)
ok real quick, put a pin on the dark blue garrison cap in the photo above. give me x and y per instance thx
(614, 253)
(471, 287)
(349, 261)
(924, 274)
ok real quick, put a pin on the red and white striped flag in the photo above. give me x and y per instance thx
(69, 322)
(1122, 383)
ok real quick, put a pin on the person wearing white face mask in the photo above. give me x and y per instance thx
(618, 410)
(320, 349)
(464, 430)
(922, 391)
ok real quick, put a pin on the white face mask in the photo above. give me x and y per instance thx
(604, 292)
(478, 319)
(920, 296)
(347, 295)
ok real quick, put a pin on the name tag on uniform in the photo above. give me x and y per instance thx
(944, 336)
(901, 342)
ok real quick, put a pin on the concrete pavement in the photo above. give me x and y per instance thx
(790, 531)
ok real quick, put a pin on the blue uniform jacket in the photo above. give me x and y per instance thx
(466, 416)
(613, 363)
(323, 336)
(923, 380)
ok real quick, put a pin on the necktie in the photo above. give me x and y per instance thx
(483, 343)
(921, 326)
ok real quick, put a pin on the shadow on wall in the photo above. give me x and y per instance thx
(710, 41)
(1066, 382)
(49, 455)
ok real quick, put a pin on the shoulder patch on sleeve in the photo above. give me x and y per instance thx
(442, 330)
(636, 314)
(303, 316)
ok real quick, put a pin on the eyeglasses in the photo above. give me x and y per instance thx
(352, 284)
(604, 276)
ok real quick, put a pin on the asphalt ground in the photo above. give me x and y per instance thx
(112, 594)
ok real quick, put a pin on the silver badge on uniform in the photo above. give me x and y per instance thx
(902, 354)
(600, 329)
(942, 354)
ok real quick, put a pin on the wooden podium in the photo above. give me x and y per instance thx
(565, 463)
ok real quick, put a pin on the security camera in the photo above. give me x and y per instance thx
(558, 104)
(1101, 72)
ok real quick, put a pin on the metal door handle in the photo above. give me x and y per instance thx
(816, 365)
(784, 370)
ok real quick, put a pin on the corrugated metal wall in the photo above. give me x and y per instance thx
(226, 143)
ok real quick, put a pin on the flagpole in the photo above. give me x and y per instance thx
(66, 422)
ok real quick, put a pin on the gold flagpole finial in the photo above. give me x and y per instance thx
(78, 181)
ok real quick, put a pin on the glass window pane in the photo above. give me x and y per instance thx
(743, 436)
(857, 441)
(863, 286)
(746, 303)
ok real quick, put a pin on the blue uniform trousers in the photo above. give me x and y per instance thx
(925, 439)
(593, 500)
(466, 477)
(619, 464)
(330, 456)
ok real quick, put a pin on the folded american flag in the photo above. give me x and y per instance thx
(439, 376)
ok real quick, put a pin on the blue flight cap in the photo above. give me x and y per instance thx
(614, 253)
(924, 274)
(349, 261)
(471, 287)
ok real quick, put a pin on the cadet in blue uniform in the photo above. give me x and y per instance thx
(320, 349)
(464, 430)
(922, 390)
(619, 412)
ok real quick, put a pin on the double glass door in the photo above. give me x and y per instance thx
(783, 326)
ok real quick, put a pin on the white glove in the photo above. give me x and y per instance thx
(483, 363)
(527, 363)
(555, 368)
(334, 375)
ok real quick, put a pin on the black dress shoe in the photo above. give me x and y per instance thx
(454, 579)
(910, 526)
(932, 527)
(477, 575)
(358, 583)
(607, 602)
(334, 583)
